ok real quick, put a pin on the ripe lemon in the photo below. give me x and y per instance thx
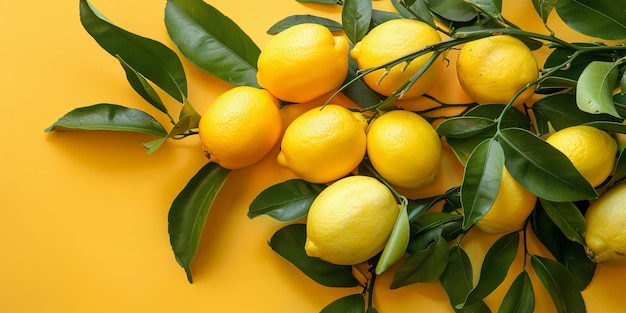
(493, 69)
(591, 150)
(350, 221)
(404, 149)
(303, 62)
(324, 144)
(606, 227)
(512, 206)
(240, 127)
(391, 40)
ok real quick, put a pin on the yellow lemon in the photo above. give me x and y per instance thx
(324, 144)
(591, 150)
(404, 149)
(493, 69)
(302, 63)
(606, 227)
(512, 206)
(391, 40)
(240, 127)
(350, 221)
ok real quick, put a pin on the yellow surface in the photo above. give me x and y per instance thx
(83, 215)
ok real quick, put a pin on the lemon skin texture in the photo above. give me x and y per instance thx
(240, 127)
(404, 149)
(350, 221)
(303, 63)
(606, 227)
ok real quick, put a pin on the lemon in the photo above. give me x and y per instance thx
(391, 40)
(324, 143)
(512, 206)
(404, 149)
(240, 127)
(350, 221)
(591, 150)
(606, 227)
(493, 69)
(302, 63)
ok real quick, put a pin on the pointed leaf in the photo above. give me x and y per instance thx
(520, 297)
(544, 8)
(604, 19)
(424, 266)
(189, 211)
(356, 16)
(286, 201)
(111, 117)
(620, 168)
(379, 17)
(457, 281)
(464, 126)
(289, 242)
(397, 243)
(414, 9)
(567, 218)
(541, 168)
(301, 19)
(453, 10)
(423, 238)
(481, 181)
(142, 87)
(562, 112)
(152, 59)
(349, 304)
(594, 91)
(559, 284)
(197, 27)
(495, 267)
(490, 7)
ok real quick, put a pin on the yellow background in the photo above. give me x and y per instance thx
(83, 215)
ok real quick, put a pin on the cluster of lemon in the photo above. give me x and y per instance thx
(351, 220)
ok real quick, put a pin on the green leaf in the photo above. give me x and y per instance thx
(356, 16)
(196, 27)
(619, 172)
(453, 10)
(356, 89)
(594, 91)
(604, 19)
(111, 117)
(379, 17)
(417, 207)
(520, 297)
(492, 8)
(189, 211)
(541, 168)
(349, 304)
(289, 242)
(142, 87)
(495, 267)
(321, 1)
(559, 284)
(423, 266)
(286, 201)
(423, 238)
(396, 244)
(457, 281)
(567, 218)
(544, 8)
(561, 110)
(414, 9)
(152, 59)
(189, 111)
(293, 20)
(464, 126)
(481, 181)
(371, 309)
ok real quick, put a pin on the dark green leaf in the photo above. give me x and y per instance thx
(604, 19)
(423, 266)
(285, 201)
(434, 219)
(513, 117)
(457, 281)
(541, 168)
(559, 283)
(550, 84)
(379, 17)
(414, 9)
(349, 304)
(189, 211)
(520, 297)
(575, 67)
(152, 59)
(357, 90)
(481, 181)
(492, 8)
(397, 243)
(111, 117)
(567, 218)
(301, 19)
(142, 87)
(417, 207)
(495, 267)
(423, 238)
(371, 309)
(289, 241)
(356, 16)
(544, 8)
(464, 126)
(196, 27)
(453, 10)
(620, 168)
(562, 112)
(608, 126)
(594, 91)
